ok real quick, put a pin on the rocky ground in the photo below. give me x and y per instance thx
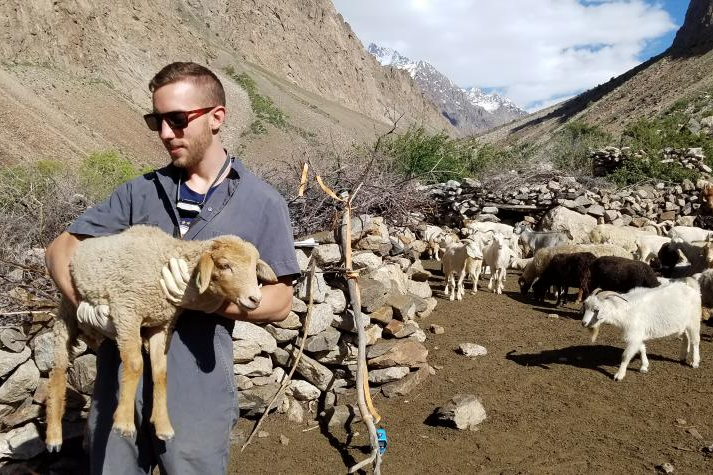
(552, 405)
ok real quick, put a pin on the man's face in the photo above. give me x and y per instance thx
(187, 146)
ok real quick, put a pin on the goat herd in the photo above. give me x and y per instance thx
(615, 272)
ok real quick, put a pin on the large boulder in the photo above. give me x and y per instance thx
(463, 411)
(387, 353)
(563, 219)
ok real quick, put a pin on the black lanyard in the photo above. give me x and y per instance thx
(190, 205)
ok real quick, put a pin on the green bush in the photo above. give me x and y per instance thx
(101, 172)
(570, 146)
(437, 157)
(263, 107)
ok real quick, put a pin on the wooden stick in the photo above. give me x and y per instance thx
(287, 380)
(354, 298)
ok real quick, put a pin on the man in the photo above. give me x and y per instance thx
(204, 192)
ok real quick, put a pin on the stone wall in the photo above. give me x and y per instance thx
(395, 296)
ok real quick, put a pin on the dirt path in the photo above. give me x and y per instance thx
(552, 405)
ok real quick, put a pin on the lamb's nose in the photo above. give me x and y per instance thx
(255, 299)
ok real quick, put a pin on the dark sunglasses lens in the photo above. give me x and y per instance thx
(153, 121)
(176, 120)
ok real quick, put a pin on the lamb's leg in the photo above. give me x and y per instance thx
(477, 268)
(685, 347)
(65, 333)
(157, 338)
(629, 352)
(644, 360)
(129, 342)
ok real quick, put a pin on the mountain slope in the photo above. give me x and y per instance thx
(468, 110)
(683, 71)
(74, 75)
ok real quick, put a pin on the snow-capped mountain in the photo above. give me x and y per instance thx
(469, 110)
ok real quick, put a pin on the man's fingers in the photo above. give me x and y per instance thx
(168, 285)
(183, 267)
(177, 273)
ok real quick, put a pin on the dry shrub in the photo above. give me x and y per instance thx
(383, 192)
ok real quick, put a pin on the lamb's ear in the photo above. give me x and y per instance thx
(265, 272)
(205, 270)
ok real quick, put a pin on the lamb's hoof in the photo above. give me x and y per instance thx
(126, 431)
(618, 377)
(694, 364)
(165, 435)
(643, 370)
(451, 298)
(54, 447)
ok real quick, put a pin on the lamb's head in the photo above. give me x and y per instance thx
(599, 308)
(499, 241)
(232, 267)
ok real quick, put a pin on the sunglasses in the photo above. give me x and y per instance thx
(174, 119)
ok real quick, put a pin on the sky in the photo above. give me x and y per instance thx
(535, 52)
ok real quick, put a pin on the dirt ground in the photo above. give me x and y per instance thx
(551, 403)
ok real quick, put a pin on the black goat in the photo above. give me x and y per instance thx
(668, 257)
(619, 274)
(564, 271)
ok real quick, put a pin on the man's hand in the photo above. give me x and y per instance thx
(97, 318)
(182, 291)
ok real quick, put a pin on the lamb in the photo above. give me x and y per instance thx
(542, 257)
(618, 274)
(532, 241)
(564, 271)
(699, 254)
(644, 314)
(431, 235)
(705, 282)
(123, 272)
(497, 256)
(459, 259)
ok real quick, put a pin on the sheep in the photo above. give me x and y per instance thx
(497, 256)
(623, 236)
(542, 257)
(669, 257)
(564, 271)
(459, 259)
(618, 274)
(690, 233)
(123, 272)
(644, 314)
(649, 246)
(532, 241)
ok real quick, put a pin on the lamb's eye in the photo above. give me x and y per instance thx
(223, 266)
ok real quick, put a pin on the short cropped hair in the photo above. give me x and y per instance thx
(199, 75)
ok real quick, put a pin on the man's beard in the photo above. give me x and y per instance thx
(196, 150)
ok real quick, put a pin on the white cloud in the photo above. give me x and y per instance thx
(533, 51)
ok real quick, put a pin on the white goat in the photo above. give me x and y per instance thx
(461, 258)
(690, 233)
(497, 256)
(647, 247)
(486, 226)
(644, 314)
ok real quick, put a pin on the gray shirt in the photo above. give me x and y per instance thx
(242, 205)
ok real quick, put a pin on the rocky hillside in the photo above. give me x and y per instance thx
(469, 110)
(681, 72)
(73, 75)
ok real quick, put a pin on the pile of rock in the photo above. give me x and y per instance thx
(608, 159)
(638, 206)
(394, 294)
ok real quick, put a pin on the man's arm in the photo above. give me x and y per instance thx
(57, 257)
(275, 305)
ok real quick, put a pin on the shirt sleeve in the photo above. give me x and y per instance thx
(275, 242)
(111, 216)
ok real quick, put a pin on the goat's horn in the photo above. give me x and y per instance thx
(596, 291)
(610, 293)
